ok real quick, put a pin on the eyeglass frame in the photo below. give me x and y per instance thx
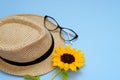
(61, 28)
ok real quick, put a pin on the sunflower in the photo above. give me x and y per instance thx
(68, 58)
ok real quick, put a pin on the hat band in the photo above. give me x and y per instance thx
(38, 60)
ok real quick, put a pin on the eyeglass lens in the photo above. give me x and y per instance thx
(48, 24)
(67, 34)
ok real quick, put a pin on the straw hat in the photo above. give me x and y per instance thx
(26, 45)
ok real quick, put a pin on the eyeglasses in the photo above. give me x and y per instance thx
(65, 33)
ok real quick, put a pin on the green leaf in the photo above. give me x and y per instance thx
(37, 77)
(30, 77)
(64, 75)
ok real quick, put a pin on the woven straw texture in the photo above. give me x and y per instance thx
(23, 38)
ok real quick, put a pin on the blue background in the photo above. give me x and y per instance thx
(97, 22)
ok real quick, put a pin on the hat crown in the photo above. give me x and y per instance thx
(22, 39)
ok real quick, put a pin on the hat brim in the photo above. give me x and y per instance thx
(36, 69)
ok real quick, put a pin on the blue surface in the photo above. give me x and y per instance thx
(97, 22)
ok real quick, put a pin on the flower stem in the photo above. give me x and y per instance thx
(55, 74)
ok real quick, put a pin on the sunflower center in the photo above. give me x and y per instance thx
(67, 58)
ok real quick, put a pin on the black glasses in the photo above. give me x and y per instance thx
(65, 33)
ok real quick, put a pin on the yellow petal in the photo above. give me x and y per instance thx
(81, 65)
(78, 64)
(59, 64)
(68, 47)
(55, 64)
(72, 67)
(66, 66)
(61, 48)
(56, 59)
(73, 51)
(80, 60)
